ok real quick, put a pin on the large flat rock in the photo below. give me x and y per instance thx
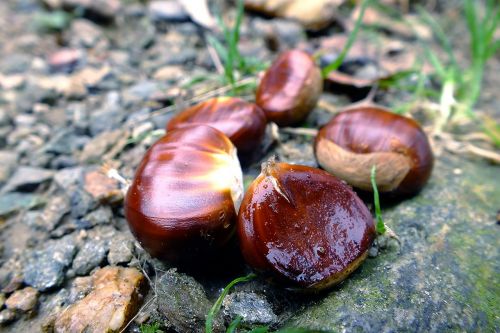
(447, 276)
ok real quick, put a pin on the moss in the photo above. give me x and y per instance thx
(447, 276)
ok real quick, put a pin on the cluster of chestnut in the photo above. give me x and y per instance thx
(302, 225)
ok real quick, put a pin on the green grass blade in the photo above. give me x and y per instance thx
(380, 225)
(439, 33)
(436, 63)
(495, 46)
(492, 129)
(217, 305)
(350, 41)
(471, 19)
(262, 329)
(236, 34)
(234, 325)
(219, 48)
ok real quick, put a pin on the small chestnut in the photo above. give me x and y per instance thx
(183, 200)
(304, 226)
(290, 88)
(356, 139)
(244, 123)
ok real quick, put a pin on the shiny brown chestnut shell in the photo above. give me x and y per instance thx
(356, 139)
(181, 203)
(304, 226)
(244, 123)
(290, 88)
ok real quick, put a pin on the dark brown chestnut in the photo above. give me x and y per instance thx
(290, 88)
(304, 226)
(183, 200)
(244, 123)
(356, 139)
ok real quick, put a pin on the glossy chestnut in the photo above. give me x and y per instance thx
(304, 226)
(183, 200)
(244, 123)
(290, 88)
(356, 139)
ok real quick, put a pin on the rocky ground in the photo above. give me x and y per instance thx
(100, 90)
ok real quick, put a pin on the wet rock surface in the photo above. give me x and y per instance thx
(183, 302)
(100, 90)
(447, 265)
(253, 308)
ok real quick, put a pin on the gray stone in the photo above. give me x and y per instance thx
(63, 142)
(142, 91)
(290, 32)
(279, 33)
(109, 116)
(121, 250)
(68, 178)
(4, 118)
(447, 274)
(13, 202)
(91, 255)
(8, 162)
(25, 120)
(62, 162)
(54, 210)
(183, 57)
(168, 11)
(137, 35)
(84, 33)
(27, 178)
(100, 9)
(15, 63)
(253, 308)
(46, 266)
(183, 302)
(81, 203)
(102, 215)
(100, 145)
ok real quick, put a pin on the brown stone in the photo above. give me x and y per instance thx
(23, 300)
(64, 58)
(113, 301)
(103, 188)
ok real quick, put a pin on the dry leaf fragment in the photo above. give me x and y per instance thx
(312, 14)
(199, 13)
(369, 60)
(408, 26)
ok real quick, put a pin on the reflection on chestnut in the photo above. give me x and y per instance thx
(244, 123)
(304, 226)
(183, 201)
(290, 88)
(355, 140)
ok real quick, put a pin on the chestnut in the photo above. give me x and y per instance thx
(303, 226)
(356, 139)
(244, 123)
(290, 88)
(183, 200)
